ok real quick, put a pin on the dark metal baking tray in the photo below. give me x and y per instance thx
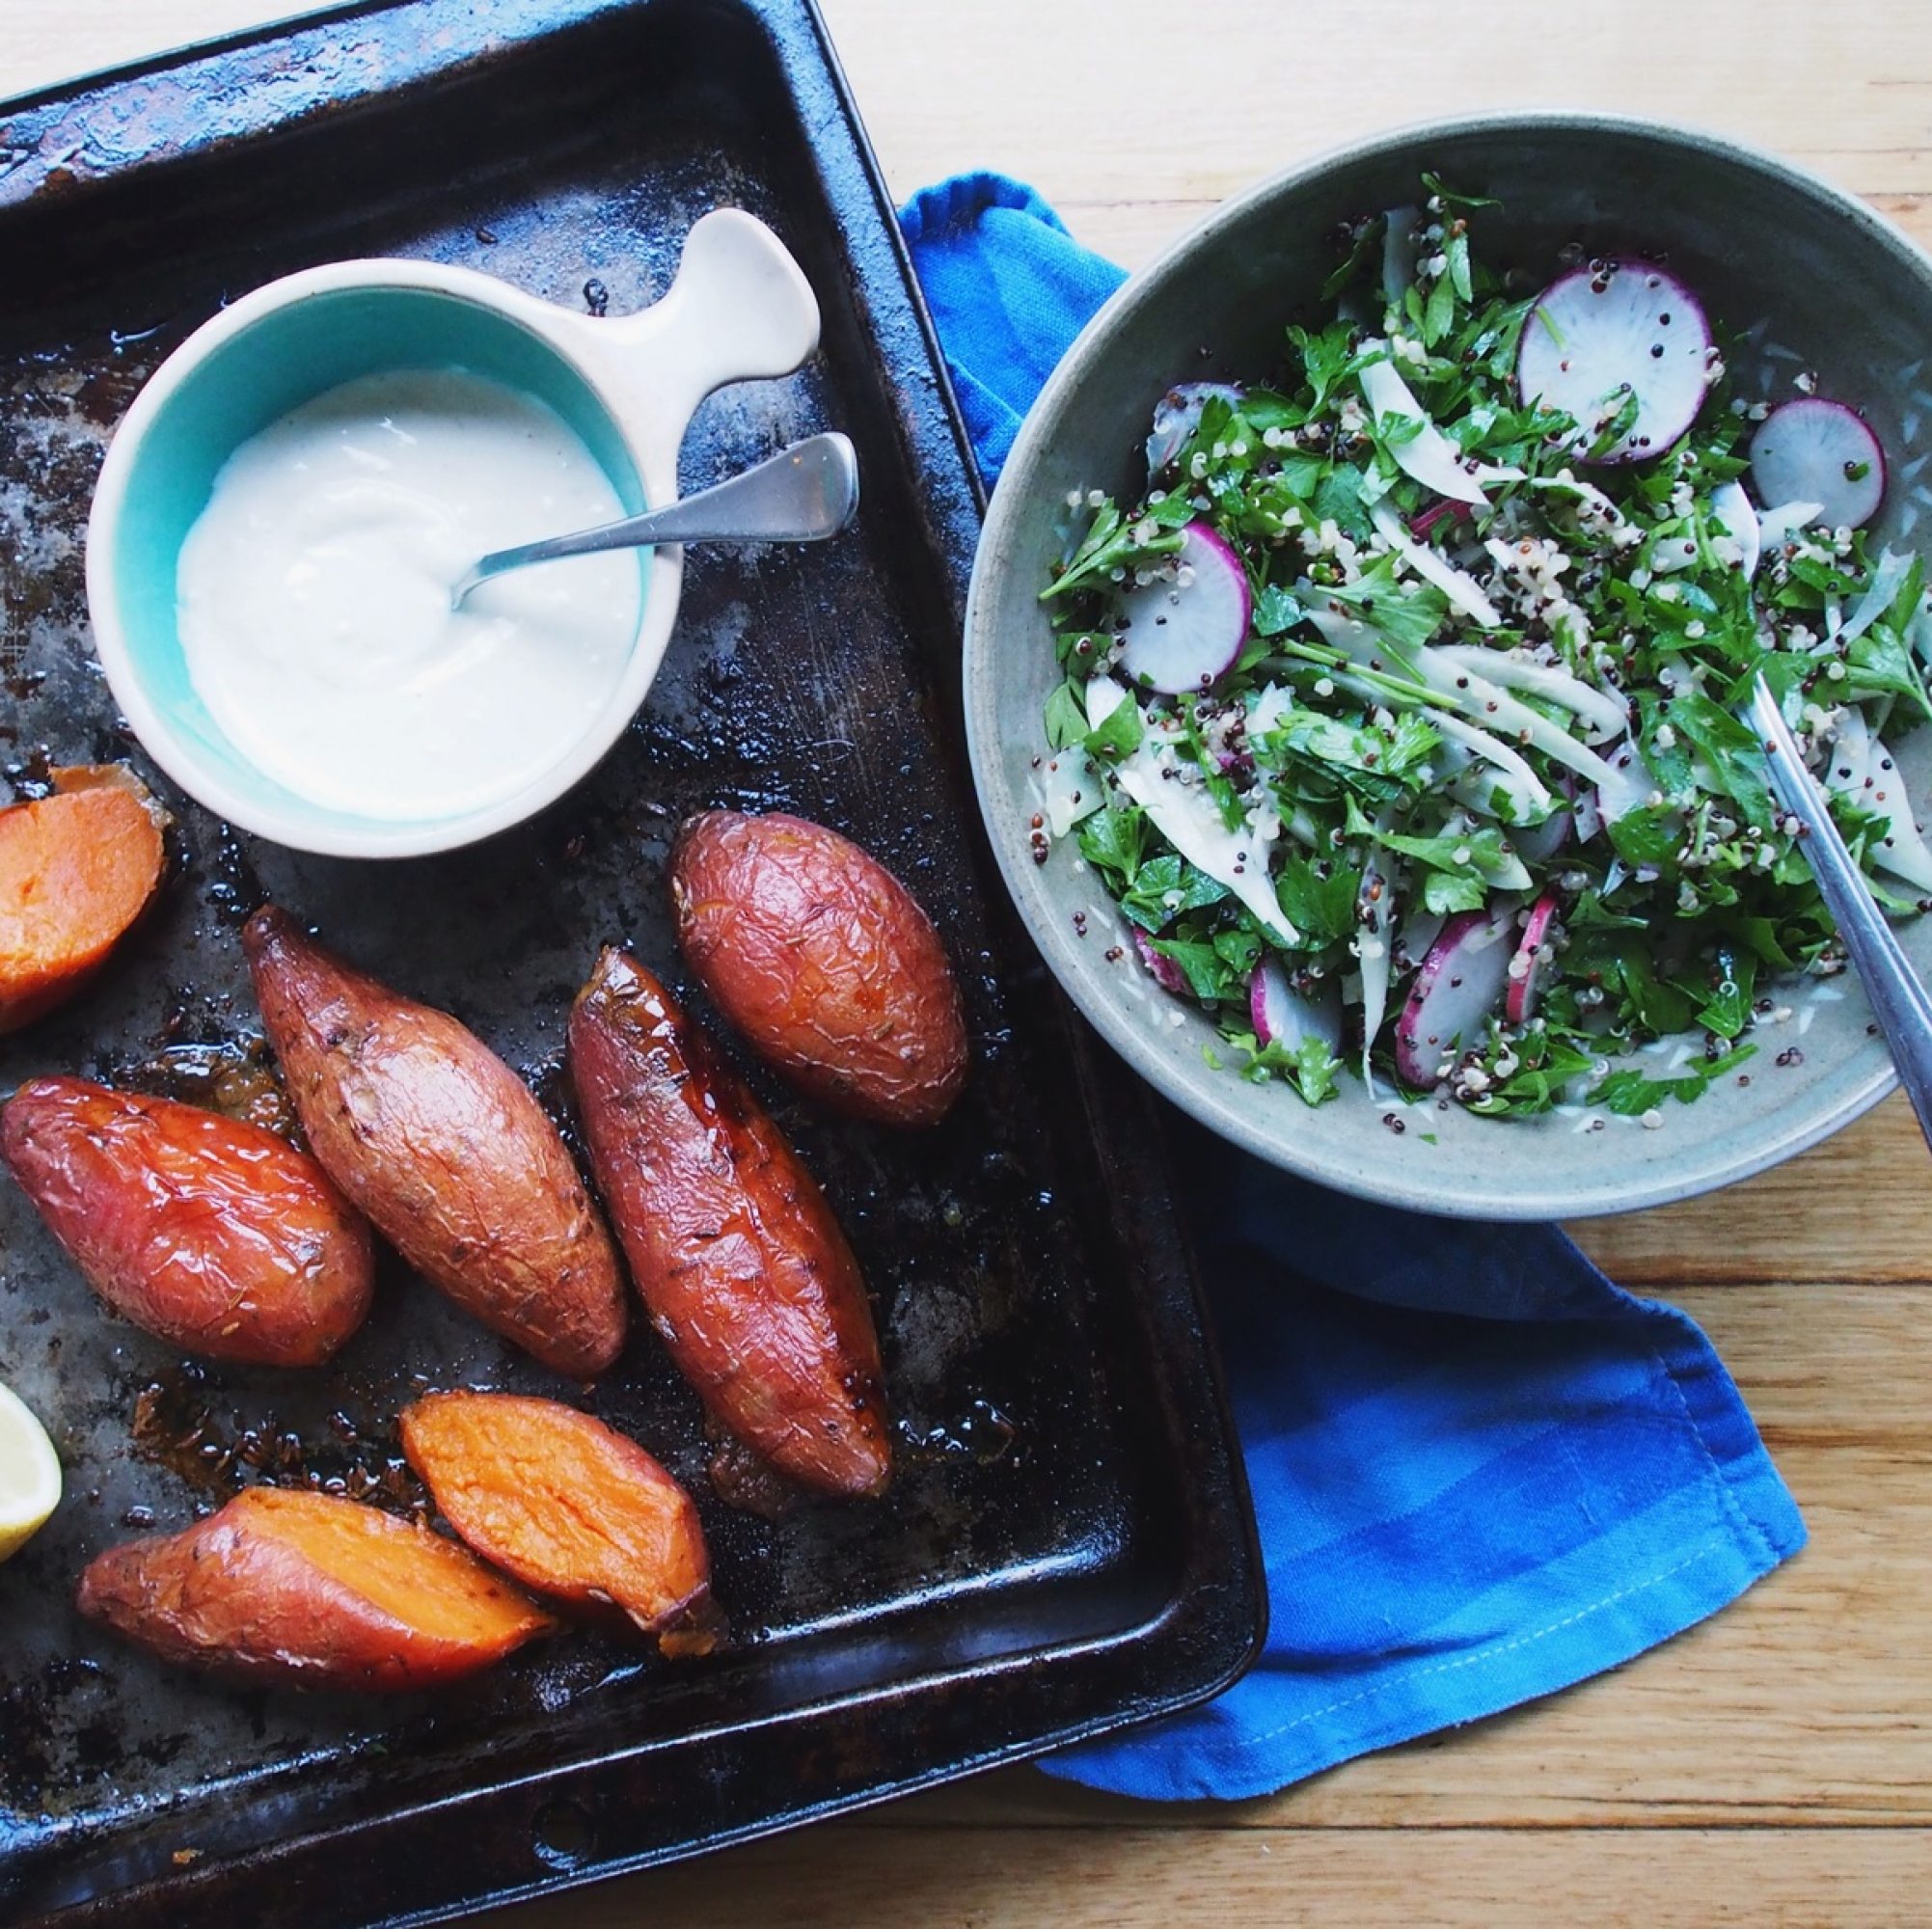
(1068, 1545)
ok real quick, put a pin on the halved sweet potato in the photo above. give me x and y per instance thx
(309, 1589)
(738, 1257)
(214, 1235)
(824, 959)
(432, 1135)
(561, 1502)
(76, 869)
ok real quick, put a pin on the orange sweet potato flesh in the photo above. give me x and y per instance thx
(214, 1235)
(564, 1503)
(309, 1589)
(820, 957)
(737, 1258)
(436, 1139)
(76, 869)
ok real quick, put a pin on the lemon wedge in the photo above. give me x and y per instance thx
(30, 1475)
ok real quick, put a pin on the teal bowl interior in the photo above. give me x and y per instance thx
(281, 360)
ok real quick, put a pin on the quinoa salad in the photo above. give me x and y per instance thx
(1399, 714)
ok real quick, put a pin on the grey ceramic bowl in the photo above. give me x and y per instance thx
(1758, 240)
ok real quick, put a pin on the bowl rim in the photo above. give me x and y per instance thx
(1689, 1171)
(297, 827)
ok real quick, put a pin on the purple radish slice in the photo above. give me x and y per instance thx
(1519, 1003)
(1614, 329)
(1165, 973)
(1288, 1017)
(1813, 450)
(1177, 414)
(1730, 509)
(1425, 520)
(1462, 982)
(1182, 634)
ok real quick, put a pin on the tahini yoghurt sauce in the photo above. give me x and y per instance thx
(312, 596)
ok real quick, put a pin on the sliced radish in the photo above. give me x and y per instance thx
(1612, 330)
(1425, 520)
(1607, 716)
(1462, 979)
(1414, 938)
(1519, 1003)
(1165, 973)
(1813, 450)
(1429, 455)
(1190, 820)
(1182, 634)
(1730, 509)
(1463, 589)
(1288, 1017)
(1177, 414)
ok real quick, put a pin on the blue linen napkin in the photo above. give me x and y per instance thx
(1481, 1470)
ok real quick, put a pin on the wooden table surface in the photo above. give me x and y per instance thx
(1773, 1765)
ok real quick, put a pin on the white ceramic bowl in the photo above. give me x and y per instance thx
(739, 307)
(1758, 239)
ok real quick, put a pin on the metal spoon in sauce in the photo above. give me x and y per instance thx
(802, 494)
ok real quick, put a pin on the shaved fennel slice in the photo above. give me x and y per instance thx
(1429, 455)
(1461, 588)
(1863, 770)
(1190, 820)
(1607, 715)
(1472, 694)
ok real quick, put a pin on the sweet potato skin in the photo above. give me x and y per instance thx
(563, 1504)
(441, 1145)
(76, 869)
(822, 958)
(212, 1234)
(739, 1260)
(239, 1593)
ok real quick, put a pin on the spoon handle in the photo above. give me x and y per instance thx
(1899, 1000)
(802, 494)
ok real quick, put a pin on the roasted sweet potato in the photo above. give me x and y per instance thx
(76, 869)
(739, 1260)
(305, 1588)
(213, 1235)
(441, 1145)
(819, 955)
(566, 1506)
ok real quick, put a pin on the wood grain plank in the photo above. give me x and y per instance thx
(1858, 1207)
(1365, 1879)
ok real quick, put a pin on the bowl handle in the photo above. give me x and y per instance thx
(738, 308)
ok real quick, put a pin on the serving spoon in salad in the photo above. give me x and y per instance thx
(1899, 1000)
(802, 494)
